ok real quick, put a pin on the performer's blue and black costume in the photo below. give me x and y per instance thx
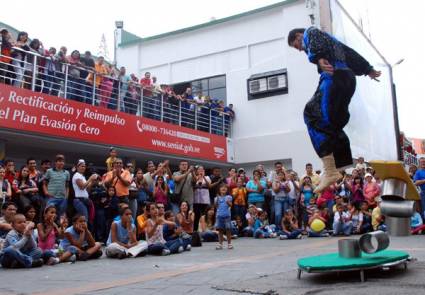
(326, 114)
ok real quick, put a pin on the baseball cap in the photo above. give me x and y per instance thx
(368, 175)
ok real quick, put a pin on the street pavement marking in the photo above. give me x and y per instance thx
(97, 286)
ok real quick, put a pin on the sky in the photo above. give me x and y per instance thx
(395, 27)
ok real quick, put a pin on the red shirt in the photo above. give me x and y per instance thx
(147, 86)
(10, 177)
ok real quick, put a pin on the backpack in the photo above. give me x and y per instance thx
(196, 239)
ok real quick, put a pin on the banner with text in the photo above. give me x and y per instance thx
(29, 111)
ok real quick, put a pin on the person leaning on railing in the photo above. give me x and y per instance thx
(131, 99)
(88, 62)
(19, 57)
(124, 80)
(5, 58)
(35, 56)
(49, 71)
(74, 82)
(100, 70)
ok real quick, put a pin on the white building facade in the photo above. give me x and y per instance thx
(271, 128)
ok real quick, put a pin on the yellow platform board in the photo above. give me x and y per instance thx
(395, 169)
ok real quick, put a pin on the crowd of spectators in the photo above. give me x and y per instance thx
(92, 80)
(52, 215)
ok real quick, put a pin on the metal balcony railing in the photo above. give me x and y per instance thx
(49, 76)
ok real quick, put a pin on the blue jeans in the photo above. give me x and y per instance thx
(60, 205)
(292, 235)
(209, 236)
(343, 228)
(261, 233)
(24, 259)
(280, 207)
(81, 205)
(173, 245)
(186, 242)
(132, 204)
(312, 234)
(156, 248)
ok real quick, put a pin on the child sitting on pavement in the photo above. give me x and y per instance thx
(289, 225)
(79, 241)
(250, 218)
(49, 232)
(342, 221)
(20, 248)
(261, 228)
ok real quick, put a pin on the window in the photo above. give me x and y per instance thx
(217, 82)
(215, 87)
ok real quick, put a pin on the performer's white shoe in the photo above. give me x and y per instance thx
(330, 174)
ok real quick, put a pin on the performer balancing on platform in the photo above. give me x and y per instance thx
(326, 114)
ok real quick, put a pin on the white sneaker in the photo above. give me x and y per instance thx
(73, 258)
(53, 261)
(283, 237)
(300, 236)
(180, 250)
(165, 252)
(188, 247)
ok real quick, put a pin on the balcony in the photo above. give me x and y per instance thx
(51, 76)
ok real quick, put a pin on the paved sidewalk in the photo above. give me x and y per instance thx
(253, 267)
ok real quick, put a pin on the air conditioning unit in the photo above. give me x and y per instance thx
(276, 82)
(267, 84)
(257, 85)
